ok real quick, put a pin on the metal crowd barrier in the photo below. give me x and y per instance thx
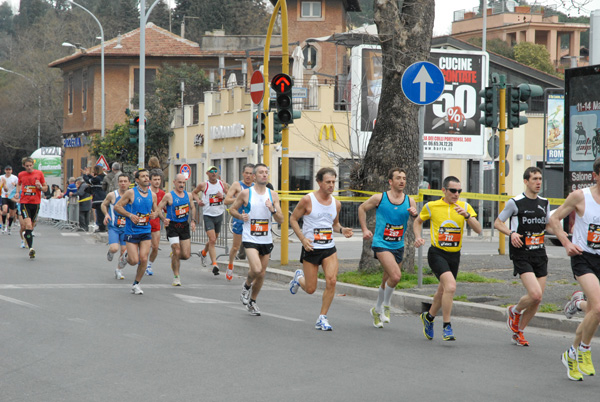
(199, 235)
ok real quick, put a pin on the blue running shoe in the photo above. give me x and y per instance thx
(294, 284)
(427, 326)
(149, 271)
(448, 333)
(323, 323)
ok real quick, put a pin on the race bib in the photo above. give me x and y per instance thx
(143, 219)
(30, 190)
(593, 237)
(323, 235)
(393, 233)
(534, 241)
(449, 237)
(213, 200)
(182, 211)
(120, 221)
(259, 227)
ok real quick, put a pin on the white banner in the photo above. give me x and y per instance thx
(54, 208)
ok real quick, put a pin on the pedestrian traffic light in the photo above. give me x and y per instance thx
(489, 107)
(134, 130)
(516, 98)
(282, 84)
(277, 130)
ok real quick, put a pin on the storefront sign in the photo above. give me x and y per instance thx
(220, 132)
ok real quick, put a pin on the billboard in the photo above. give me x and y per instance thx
(48, 160)
(582, 126)
(452, 126)
(555, 121)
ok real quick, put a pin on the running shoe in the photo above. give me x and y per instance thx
(22, 243)
(294, 283)
(229, 274)
(215, 270)
(149, 271)
(8, 232)
(176, 281)
(385, 317)
(376, 318)
(245, 296)
(519, 339)
(136, 290)
(571, 365)
(109, 256)
(123, 260)
(584, 362)
(119, 274)
(253, 308)
(203, 258)
(571, 307)
(323, 323)
(31, 253)
(448, 333)
(427, 326)
(513, 319)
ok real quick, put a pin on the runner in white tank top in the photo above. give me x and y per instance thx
(258, 204)
(320, 214)
(584, 251)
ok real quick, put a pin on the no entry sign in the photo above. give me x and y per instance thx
(257, 87)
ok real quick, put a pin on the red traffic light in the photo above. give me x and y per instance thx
(136, 121)
(282, 83)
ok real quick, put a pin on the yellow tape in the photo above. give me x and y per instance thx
(86, 199)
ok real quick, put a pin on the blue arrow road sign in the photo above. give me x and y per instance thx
(423, 83)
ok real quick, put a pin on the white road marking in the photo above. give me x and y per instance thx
(71, 234)
(19, 302)
(201, 300)
(269, 314)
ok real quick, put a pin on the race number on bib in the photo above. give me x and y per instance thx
(449, 237)
(593, 237)
(182, 211)
(214, 200)
(534, 241)
(30, 190)
(120, 221)
(143, 219)
(259, 227)
(393, 232)
(323, 235)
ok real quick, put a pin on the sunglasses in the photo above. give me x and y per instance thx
(454, 190)
(213, 171)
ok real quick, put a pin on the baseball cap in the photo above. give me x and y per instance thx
(211, 168)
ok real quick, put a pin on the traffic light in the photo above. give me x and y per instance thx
(282, 84)
(134, 130)
(516, 98)
(489, 107)
(277, 130)
(258, 127)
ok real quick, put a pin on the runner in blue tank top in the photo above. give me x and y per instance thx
(393, 211)
(115, 222)
(180, 210)
(141, 208)
(237, 225)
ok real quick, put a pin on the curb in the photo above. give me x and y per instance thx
(417, 303)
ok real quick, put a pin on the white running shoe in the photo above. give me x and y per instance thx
(385, 316)
(123, 260)
(136, 290)
(294, 283)
(119, 274)
(203, 258)
(109, 256)
(571, 307)
(245, 296)
(323, 323)
(229, 274)
(22, 243)
(253, 309)
(176, 281)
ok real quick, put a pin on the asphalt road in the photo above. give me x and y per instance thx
(70, 332)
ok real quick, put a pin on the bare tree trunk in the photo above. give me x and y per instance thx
(405, 28)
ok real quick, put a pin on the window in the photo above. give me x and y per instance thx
(69, 169)
(229, 171)
(70, 93)
(310, 57)
(301, 174)
(84, 162)
(241, 163)
(150, 77)
(311, 9)
(196, 114)
(84, 88)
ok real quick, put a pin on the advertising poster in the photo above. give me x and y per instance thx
(582, 121)
(48, 160)
(452, 126)
(555, 128)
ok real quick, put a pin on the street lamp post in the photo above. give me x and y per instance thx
(39, 101)
(101, 63)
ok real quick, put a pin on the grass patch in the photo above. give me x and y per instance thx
(549, 308)
(515, 283)
(407, 281)
(462, 298)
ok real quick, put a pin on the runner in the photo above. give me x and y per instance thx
(30, 186)
(115, 222)
(448, 217)
(179, 204)
(529, 214)
(155, 183)
(237, 225)
(139, 206)
(8, 183)
(213, 194)
(584, 251)
(320, 212)
(393, 211)
(258, 204)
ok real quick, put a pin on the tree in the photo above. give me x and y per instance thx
(160, 15)
(6, 18)
(535, 56)
(495, 45)
(405, 29)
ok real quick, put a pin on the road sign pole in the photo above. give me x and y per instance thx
(421, 168)
(502, 155)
